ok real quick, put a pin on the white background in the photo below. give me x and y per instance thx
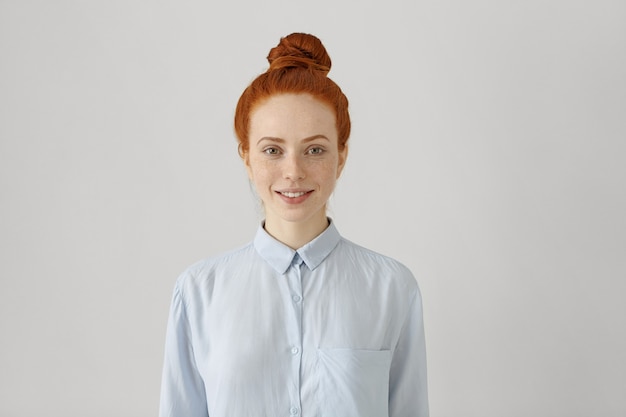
(488, 154)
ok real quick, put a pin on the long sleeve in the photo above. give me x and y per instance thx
(331, 329)
(182, 388)
(408, 391)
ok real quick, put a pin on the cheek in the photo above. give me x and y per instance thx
(260, 172)
(326, 172)
(329, 166)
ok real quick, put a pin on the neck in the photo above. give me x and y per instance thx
(295, 234)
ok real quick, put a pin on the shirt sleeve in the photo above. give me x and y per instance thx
(182, 387)
(408, 391)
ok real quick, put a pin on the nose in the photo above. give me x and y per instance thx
(294, 168)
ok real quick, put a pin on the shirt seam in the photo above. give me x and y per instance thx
(406, 320)
(188, 326)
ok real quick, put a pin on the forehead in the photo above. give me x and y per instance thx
(292, 116)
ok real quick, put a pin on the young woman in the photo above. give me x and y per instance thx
(300, 322)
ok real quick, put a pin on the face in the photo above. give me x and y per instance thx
(293, 158)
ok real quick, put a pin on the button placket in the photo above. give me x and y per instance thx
(294, 279)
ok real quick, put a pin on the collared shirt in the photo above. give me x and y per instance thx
(328, 330)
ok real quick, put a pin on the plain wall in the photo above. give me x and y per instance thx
(487, 154)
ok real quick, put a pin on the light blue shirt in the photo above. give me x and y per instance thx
(329, 330)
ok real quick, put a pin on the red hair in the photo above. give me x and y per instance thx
(299, 64)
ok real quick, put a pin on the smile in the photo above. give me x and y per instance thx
(293, 195)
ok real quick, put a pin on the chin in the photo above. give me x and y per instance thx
(299, 216)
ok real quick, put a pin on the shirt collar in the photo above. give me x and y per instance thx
(280, 256)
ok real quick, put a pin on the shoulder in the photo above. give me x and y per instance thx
(371, 258)
(202, 274)
(375, 264)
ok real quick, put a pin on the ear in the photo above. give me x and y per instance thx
(245, 157)
(343, 155)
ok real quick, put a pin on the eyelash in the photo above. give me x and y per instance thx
(272, 151)
(316, 148)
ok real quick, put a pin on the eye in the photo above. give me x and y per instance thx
(271, 151)
(316, 150)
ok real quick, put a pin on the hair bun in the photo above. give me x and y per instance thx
(299, 50)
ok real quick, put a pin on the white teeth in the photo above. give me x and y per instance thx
(293, 195)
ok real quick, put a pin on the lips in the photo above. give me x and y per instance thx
(294, 197)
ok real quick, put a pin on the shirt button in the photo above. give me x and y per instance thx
(297, 298)
(293, 411)
(295, 350)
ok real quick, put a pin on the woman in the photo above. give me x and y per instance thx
(300, 322)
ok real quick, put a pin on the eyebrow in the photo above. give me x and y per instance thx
(280, 140)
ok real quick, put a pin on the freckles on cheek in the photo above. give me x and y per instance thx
(258, 167)
(261, 176)
(328, 167)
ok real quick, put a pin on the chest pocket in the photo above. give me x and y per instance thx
(354, 382)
